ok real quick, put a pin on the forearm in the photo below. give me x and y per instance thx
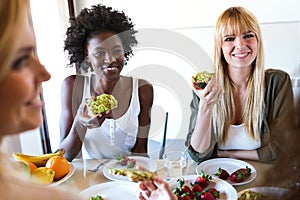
(72, 143)
(140, 147)
(201, 137)
(239, 154)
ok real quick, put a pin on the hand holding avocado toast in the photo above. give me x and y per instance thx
(207, 88)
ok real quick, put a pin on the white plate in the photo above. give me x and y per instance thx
(227, 191)
(145, 162)
(211, 166)
(66, 177)
(112, 190)
(273, 193)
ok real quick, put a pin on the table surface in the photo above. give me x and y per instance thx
(83, 179)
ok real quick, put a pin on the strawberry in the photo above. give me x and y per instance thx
(247, 171)
(203, 180)
(186, 197)
(214, 192)
(240, 175)
(237, 176)
(183, 189)
(187, 190)
(196, 188)
(222, 173)
(207, 196)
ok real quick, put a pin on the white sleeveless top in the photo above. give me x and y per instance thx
(114, 136)
(239, 139)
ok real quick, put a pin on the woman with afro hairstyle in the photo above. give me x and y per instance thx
(99, 42)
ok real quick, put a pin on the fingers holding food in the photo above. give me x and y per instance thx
(94, 110)
(91, 121)
(211, 94)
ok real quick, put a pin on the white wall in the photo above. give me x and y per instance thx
(28, 142)
(173, 14)
(167, 28)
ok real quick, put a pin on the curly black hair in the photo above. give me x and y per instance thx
(97, 19)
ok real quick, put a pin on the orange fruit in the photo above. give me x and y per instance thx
(32, 166)
(60, 165)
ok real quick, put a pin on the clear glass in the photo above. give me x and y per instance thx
(175, 164)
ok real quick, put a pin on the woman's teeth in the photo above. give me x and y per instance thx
(240, 54)
(111, 68)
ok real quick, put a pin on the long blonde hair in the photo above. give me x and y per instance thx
(12, 16)
(238, 20)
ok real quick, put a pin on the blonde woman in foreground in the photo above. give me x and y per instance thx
(21, 77)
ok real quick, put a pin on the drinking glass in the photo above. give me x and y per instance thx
(175, 164)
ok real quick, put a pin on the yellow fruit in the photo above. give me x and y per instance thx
(39, 161)
(60, 165)
(42, 175)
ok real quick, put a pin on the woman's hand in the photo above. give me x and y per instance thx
(156, 190)
(88, 120)
(211, 94)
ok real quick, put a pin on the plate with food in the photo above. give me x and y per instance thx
(197, 185)
(263, 193)
(66, 177)
(234, 171)
(112, 190)
(139, 161)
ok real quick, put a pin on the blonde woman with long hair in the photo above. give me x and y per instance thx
(21, 76)
(239, 114)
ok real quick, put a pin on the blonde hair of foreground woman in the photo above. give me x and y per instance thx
(20, 69)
